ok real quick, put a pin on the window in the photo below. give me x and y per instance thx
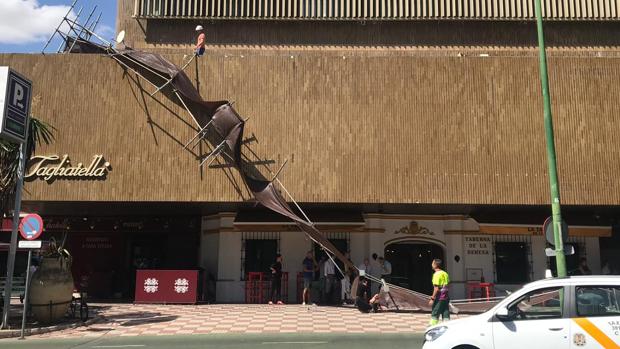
(539, 305)
(259, 255)
(511, 262)
(342, 244)
(598, 301)
(258, 251)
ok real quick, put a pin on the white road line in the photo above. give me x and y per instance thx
(119, 346)
(294, 343)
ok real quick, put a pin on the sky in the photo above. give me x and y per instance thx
(26, 25)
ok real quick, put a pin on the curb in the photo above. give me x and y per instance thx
(42, 330)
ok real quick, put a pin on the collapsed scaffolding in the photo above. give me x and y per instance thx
(221, 129)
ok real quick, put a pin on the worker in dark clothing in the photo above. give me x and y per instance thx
(363, 295)
(276, 281)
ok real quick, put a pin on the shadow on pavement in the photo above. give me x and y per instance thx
(138, 318)
(137, 322)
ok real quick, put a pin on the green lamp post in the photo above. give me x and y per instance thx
(551, 161)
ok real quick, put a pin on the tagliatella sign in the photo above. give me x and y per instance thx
(52, 167)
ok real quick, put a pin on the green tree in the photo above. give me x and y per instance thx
(38, 132)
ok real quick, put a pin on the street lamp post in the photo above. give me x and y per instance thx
(551, 161)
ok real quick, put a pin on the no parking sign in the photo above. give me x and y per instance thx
(31, 226)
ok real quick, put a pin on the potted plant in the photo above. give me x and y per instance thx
(51, 286)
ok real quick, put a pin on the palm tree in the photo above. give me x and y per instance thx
(38, 132)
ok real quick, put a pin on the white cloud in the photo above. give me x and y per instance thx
(26, 21)
(105, 31)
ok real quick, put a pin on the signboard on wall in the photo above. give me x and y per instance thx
(166, 286)
(15, 95)
(478, 245)
(478, 257)
(52, 167)
(473, 274)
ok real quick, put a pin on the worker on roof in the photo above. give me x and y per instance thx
(200, 42)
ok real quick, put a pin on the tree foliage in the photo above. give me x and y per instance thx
(39, 132)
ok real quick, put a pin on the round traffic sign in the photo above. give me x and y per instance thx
(31, 226)
(548, 229)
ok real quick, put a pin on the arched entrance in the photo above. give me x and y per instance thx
(411, 264)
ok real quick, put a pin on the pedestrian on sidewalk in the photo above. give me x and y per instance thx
(347, 280)
(375, 271)
(440, 300)
(309, 266)
(276, 281)
(386, 269)
(583, 267)
(365, 266)
(330, 280)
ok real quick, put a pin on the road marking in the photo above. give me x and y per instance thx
(119, 346)
(294, 343)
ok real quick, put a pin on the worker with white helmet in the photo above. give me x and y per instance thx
(200, 44)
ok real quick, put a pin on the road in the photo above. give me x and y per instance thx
(270, 341)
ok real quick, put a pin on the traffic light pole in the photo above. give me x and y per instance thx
(551, 161)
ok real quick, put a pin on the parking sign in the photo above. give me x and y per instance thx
(31, 226)
(15, 96)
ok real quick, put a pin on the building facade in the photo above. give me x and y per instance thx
(412, 129)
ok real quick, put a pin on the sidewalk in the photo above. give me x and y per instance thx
(146, 319)
(34, 328)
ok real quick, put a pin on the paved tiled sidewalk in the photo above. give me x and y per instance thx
(135, 320)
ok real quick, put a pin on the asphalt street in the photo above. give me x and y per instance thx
(271, 341)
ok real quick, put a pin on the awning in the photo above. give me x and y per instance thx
(523, 229)
(261, 219)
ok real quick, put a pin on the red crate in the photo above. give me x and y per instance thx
(258, 287)
(253, 287)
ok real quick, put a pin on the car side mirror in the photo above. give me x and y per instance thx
(504, 314)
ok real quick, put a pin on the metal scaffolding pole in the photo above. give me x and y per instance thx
(58, 27)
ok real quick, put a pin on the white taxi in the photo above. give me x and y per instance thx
(561, 313)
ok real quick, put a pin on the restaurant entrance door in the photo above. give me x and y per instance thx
(411, 264)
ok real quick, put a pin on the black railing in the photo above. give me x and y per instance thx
(377, 9)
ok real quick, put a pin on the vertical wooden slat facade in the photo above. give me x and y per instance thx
(378, 9)
(365, 129)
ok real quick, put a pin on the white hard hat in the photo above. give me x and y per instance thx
(199, 28)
